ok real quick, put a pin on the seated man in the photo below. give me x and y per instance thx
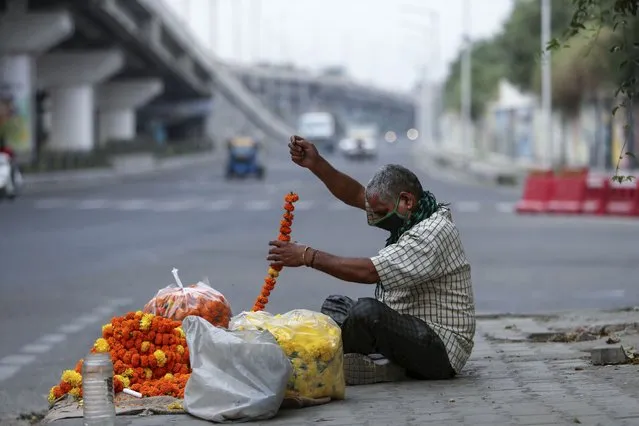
(421, 322)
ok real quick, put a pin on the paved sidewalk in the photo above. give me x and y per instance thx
(495, 169)
(510, 380)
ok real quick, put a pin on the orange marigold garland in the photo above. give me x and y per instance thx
(285, 235)
(149, 355)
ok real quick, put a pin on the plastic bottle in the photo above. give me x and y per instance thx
(97, 390)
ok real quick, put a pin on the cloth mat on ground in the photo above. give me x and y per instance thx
(125, 405)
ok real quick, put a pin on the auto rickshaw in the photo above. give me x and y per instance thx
(243, 158)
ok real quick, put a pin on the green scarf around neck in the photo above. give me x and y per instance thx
(427, 205)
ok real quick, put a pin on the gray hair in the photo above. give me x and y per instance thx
(392, 179)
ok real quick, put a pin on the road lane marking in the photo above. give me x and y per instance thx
(131, 205)
(176, 206)
(92, 204)
(71, 328)
(20, 360)
(53, 338)
(219, 205)
(8, 371)
(11, 365)
(258, 205)
(505, 207)
(304, 205)
(51, 203)
(467, 206)
(35, 348)
(204, 204)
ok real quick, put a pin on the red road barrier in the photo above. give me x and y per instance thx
(537, 192)
(596, 195)
(622, 199)
(567, 194)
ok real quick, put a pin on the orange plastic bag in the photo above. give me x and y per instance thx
(177, 302)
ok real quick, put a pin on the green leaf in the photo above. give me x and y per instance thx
(630, 154)
(615, 109)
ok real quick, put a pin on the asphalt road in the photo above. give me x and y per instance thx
(72, 259)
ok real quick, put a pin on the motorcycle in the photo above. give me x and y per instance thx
(10, 177)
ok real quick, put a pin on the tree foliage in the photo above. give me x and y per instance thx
(595, 48)
(513, 53)
(619, 17)
(489, 66)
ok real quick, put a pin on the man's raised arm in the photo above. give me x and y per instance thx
(342, 186)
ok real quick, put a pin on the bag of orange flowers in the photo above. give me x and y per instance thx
(177, 302)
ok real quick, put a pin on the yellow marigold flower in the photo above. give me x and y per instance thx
(107, 330)
(101, 345)
(125, 380)
(72, 377)
(148, 373)
(139, 313)
(160, 357)
(75, 392)
(145, 322)
(144, 347)
(128, 372)
(179, 349)
(51, 396)
(179, 330)
(175, 406)
(168, 376)
(272, 272)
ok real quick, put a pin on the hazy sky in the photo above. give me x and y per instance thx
(383, 42)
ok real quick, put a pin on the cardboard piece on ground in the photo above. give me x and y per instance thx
(126, 405)
(68, 408)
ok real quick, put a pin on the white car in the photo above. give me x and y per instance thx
(358, 148)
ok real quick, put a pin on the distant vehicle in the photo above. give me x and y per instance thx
(361, 143)
(324, 129)
(10, 177)
(243, 158)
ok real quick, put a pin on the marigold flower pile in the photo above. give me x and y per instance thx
(149, 355)
(285, 235)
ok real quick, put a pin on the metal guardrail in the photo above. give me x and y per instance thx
(335, 81)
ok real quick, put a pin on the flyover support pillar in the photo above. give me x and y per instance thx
(70, 78)
(117, 105)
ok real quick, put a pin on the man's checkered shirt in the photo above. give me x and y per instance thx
(426, 274)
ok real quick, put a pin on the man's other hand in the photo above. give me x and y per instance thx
(303, 152)
(288, 254)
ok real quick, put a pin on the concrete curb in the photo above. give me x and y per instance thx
(123, 167)
(495, 172)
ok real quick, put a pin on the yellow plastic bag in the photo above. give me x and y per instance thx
(313, 343)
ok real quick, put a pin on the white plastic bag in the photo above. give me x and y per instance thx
(237, 376)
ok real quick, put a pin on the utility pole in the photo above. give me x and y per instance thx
(466, 82)
(425, 112)
(546, 82)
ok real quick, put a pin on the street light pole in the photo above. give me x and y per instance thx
(466, 82)
(546, 81)
(425, 111)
